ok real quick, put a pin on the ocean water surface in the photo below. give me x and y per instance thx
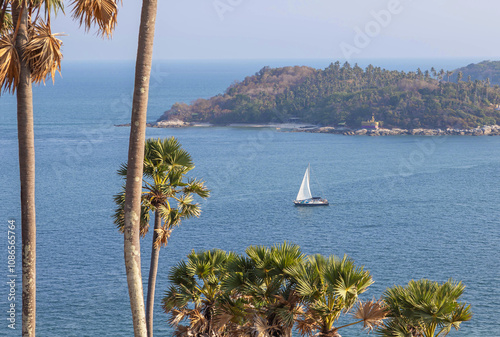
(404, 207)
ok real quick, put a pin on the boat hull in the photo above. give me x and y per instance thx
(311, 202)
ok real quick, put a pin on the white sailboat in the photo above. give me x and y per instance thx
(304, 197)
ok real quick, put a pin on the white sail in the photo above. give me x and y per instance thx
(305, 192)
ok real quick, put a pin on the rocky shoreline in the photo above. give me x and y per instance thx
(489, 130)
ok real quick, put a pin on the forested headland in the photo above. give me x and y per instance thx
(350, 94)
(488, 71)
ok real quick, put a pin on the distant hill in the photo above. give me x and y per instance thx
(480, 71)
(348, 94)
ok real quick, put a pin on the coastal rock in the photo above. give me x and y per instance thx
(326, 129)
(486, 130)
(397, 131)
(495, 130)
(424, 132)
(174, 123)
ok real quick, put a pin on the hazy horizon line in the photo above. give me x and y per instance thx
(294, 58)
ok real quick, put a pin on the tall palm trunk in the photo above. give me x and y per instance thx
(153, 269)
(26, 140)
(133, 187)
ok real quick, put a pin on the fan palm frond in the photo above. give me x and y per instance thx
(372, 313)
(163, 234)
(197, 319)
(43, 52)
(196, 187)
(177, 316)
(261, 327)
(175, 155)
(100, 13)
(329, 286)
(285, 256)
(119, 215)
(53, 6)
(122, 171)
(397, 328)
(10, 66)
(49, 6)
(187, 209)
(307, 322)
(232, 313)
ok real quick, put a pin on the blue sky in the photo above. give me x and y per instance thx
(265, 29)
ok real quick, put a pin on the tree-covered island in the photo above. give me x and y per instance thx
(346, 94)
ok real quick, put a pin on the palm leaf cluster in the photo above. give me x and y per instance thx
(424, 308)
(42, 50)
(196, 292)
(331, 287)
(166, 189)
(10, 67)
(268, 291)
(100, 13)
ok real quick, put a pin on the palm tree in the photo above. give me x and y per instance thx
(424, 309)
(449, 73)
(165, 167)
(271, 302)
(487, 84)
(433, 72)
(460, 75)
(133, 187)
(29, 53)
(26, 139)
(330, 287)
(441, 74)
(196, 294)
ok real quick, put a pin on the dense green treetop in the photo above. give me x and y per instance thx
(350, 94)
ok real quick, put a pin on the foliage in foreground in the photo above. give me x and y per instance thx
(267, 292)
(424, 308)
(270, 291)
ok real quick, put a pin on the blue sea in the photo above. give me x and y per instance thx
(404, 207)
